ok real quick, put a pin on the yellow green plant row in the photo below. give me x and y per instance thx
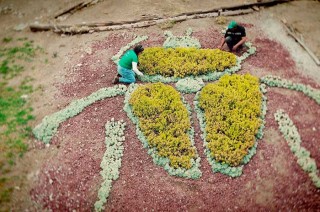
(164, 120)
(232, 108)
(184, 61)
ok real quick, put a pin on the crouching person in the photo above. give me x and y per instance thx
(235, 36)
(128, 66)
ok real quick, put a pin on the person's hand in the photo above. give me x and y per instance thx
(234, 48)
(139, 73)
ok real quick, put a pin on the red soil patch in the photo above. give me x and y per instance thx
(74, 171)
(304, 112)
(246, 25)
(271, 181)
(271, 55)
(209, 39)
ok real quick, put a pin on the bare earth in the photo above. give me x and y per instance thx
(65, 175)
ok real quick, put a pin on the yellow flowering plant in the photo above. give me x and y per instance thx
(184, 61)
(164, 120)
(232, 108)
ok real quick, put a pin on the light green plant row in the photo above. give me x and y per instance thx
(189, 85)
(111, 161)
(137, 40)
(49, 125)
(275, 81)
(292, 136)
(225, 168)
(193, 173)
(212, 76)
(181, 41)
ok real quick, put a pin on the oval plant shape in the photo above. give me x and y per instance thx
(164, 121)
(184, 61)
(232, 110)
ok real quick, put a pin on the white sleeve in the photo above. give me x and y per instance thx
(135, 68)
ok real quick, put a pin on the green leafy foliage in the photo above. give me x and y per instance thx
(164, 120)
(232, 109)
(181, 62)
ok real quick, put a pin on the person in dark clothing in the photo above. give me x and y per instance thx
(235, 36)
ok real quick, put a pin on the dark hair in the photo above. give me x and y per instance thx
(138, 49)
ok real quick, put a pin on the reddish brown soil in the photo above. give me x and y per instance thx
(271, 181)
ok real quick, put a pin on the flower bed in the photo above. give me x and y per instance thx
(210, 76)
(230, 114)
(163, 126)
(111, 161)
(181, 62)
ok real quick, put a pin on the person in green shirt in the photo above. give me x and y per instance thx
(128, 66)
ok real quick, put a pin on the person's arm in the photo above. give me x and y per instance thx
(135, 69)
(242, 41)
(222, 43)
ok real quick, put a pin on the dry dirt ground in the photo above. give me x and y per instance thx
(272, 180)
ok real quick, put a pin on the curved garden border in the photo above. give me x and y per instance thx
(292, 136)
(49, 125)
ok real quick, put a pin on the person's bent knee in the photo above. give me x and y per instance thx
(133, 80)
(228, 39)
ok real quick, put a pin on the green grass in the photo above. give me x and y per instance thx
(15, 110)
(11, 55)
(6, 40)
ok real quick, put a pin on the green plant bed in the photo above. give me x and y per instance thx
(183, 61)
(231, 114)
(164, 127)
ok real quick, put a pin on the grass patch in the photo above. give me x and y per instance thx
(9, 57)
(15, 111)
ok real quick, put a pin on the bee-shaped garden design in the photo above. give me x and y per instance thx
(231, 112)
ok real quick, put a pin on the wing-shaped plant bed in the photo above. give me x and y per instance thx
(184, 61)
(164, 127)
(230, 114)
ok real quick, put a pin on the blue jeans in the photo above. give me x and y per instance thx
(127, 75)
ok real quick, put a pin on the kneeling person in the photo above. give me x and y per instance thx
(128, 66)
(235, 36)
